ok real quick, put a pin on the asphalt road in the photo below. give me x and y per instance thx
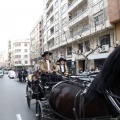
(13, 100)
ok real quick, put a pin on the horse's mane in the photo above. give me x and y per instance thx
(109, 73)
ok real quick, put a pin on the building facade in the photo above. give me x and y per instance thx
(9, 53)
(36, 42)
(78, 29)
(3, 59)
(21, 53)
(114, 17)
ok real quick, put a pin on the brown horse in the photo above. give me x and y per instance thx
(101, 99)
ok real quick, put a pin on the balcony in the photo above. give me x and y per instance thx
(48, 7)
(48, 1)
(73, 4)
(79, 32)
(51, 36)
(78, 18)
(50, 15)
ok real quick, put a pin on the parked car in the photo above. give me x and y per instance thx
(11, 74)
(5, 72)
(1, 73)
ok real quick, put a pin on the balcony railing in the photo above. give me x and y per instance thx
(79, 32)
(51, 34)
(78, 15)
(71, 3)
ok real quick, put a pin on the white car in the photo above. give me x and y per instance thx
(11, 74)
(1, 73)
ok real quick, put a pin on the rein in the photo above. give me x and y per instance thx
(113, 95)
(113, 101)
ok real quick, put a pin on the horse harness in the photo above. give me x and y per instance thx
(113, 101)
(82, 94)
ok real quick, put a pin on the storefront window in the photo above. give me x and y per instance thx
(105, 40)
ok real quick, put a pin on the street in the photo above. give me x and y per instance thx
(13, 101)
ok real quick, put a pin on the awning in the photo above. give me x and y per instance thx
(98, 56)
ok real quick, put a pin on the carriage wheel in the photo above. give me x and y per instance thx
(28, 95)
(39, 110)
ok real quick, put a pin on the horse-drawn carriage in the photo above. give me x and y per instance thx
(68, 100)
(36, 90)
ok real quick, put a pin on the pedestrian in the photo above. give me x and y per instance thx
(20, 75)
(80, 71)
(92, 69)
(25, 74)
(97, 69)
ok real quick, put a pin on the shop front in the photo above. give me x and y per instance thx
(98, 59)
(71, 67)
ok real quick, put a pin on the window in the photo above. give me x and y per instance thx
(57, 40)
(26, 56)
(17, 56)
(25, 44)
(64, 8)
(17, 44)
(56, 16)
(56, 3)
(98, 18)
(50, 32)
(25, 50)
(105, 40)
(64, 21)
(26, 62)
(80, 47)
(18, 50)
(19, 62)
(69, 50)
(56, 27)
(87, 46)
(64, 37)
(95, 1)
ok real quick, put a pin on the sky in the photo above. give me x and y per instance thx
(17, 19)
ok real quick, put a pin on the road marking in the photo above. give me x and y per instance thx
(18, 117)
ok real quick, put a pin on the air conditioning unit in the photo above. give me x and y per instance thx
(105, 48)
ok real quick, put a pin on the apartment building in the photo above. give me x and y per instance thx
(54, 14)
(75, 28)
(21, 53)
(9, 53)
(3, 59)
(114, 17)
(36, 40)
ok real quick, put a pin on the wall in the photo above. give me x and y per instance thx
(118, 32)
(114, 10)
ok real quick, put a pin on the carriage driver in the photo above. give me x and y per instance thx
(62, 67)
(47, 67)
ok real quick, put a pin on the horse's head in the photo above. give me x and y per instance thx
(109, 76)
